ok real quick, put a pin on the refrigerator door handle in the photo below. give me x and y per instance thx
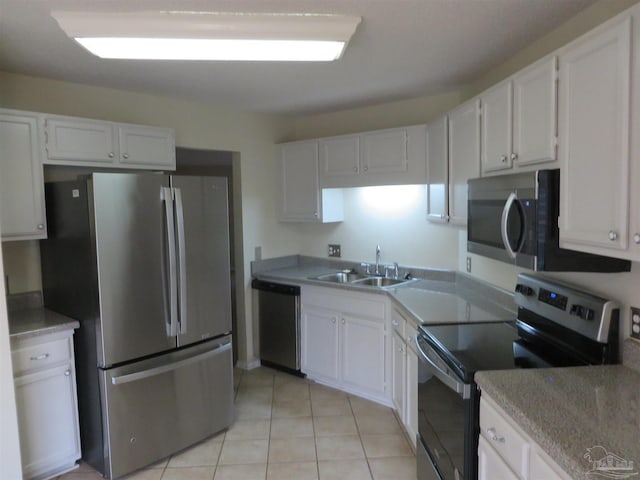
(132, 377)
(182, 261)
(167, 195)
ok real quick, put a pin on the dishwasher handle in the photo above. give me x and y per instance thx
(273, 287)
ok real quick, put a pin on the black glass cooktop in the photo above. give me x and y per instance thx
(470, 347)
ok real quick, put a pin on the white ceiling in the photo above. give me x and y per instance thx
(402, 49)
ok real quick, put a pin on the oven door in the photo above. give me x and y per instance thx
(444, 417)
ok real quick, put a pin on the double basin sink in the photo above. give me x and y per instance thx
(354, 278)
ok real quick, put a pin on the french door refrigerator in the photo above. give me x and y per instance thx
(142, 261)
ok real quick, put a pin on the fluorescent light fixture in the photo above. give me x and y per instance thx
(210, 35)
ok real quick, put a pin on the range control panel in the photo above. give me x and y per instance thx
(580, 311)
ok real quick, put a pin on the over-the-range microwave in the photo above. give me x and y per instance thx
(514, 218)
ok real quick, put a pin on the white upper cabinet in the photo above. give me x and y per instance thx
(79, 140)
(535, 117)
(302, 198)
(83, 142)
(519, 119)
(340, 156)
(385, 151)
(594, 140)
(438, 170)
(146, 146)
(497, 105)
(393, 156)
(22, 208)
(464, 156)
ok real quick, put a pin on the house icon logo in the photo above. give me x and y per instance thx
(608, 465)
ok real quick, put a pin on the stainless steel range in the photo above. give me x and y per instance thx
(557, 325)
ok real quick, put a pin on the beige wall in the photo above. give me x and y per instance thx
(251, 136)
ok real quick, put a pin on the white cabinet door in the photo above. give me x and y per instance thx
(300, 189)
(384, 151)
(320, 343)
(535, 114)
(438, 171)
(302, 199)
(497, 107)
(464, 156)
(363, 354)
(594, 141)
(339, 156)
(540, 469)
(146, 147)
(490, 465)
(398, 372)
(22, 208)
(83, 140)
(47, 419)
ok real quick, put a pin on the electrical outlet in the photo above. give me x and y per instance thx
(635, 322)
(469, 264)
(334, 250)
(257, 253)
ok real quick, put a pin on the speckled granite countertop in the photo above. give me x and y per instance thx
(28, 318)
(36, 321)
(435, 297)
(569, 410)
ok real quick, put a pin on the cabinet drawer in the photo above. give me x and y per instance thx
(504, 438)
(44, 354)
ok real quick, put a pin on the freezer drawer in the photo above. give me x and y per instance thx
(157, 407)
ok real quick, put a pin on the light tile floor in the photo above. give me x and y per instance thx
(288, 428)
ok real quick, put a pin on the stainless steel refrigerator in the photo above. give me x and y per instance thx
(142, 261)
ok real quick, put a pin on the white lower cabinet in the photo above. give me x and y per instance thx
(344, 341)
(506, 452)
(46, 399)
(404, 372)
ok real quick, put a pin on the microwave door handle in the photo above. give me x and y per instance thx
(503, 224)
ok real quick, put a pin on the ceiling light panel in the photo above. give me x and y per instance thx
(210, 36)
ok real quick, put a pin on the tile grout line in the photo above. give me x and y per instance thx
(355, 420)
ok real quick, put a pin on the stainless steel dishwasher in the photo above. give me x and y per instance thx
(279, 323)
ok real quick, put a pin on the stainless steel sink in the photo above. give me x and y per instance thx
(340, 277)
(355, 278)
(381, 282)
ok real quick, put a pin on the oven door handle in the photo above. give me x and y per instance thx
(454, 384)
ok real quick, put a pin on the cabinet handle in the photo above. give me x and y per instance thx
(111, 155)
(636, 238)
(493, 435)
(503, 159)
(67, 373)
(41, 226)
(613, 236)
(42, 356)
(355, 169)
(125, 155)
(394, 323)
(343, 321)
(366, 168)
(514, 156)
(333, 320)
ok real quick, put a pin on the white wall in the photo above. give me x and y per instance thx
(403, 233)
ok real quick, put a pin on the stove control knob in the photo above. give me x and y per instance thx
(584, 313)
(524, 290)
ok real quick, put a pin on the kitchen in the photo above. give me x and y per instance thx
(255, 136)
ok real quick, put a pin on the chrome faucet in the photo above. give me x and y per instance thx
(377, 260)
